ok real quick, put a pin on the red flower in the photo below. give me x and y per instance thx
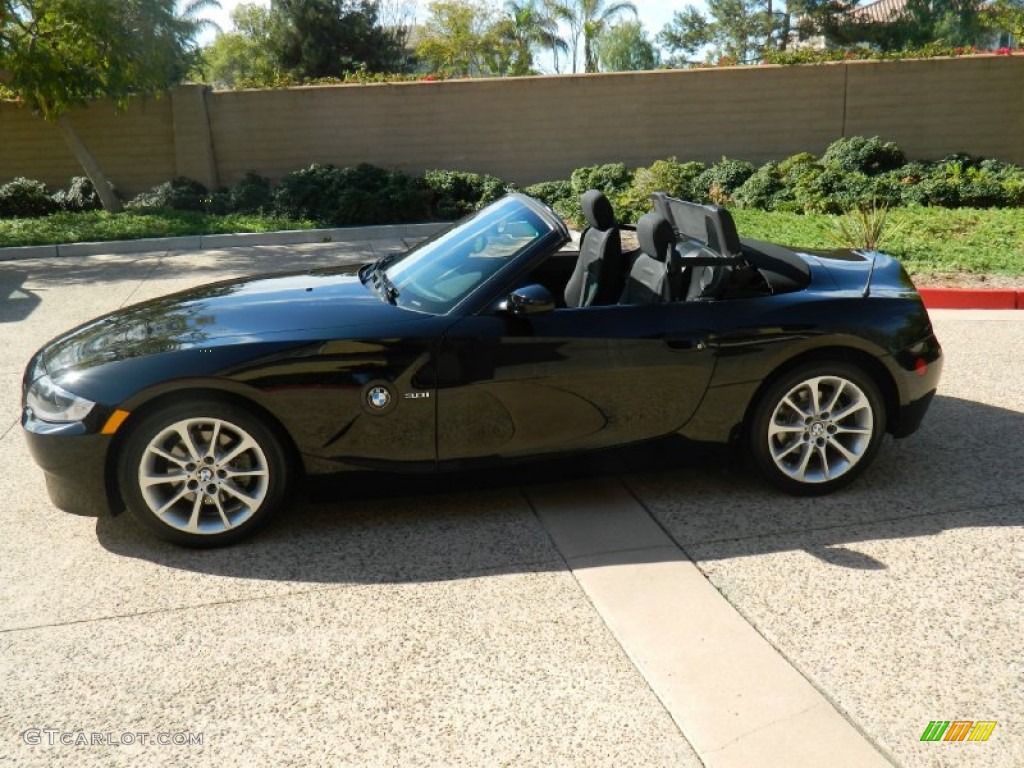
(429, 78)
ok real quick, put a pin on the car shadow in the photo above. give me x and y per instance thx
(960, 470)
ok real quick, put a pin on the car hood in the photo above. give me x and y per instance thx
(263, 308)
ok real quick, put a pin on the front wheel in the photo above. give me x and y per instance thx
(817, 428)
(203, 473)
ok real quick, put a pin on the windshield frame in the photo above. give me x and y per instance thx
(466, 235)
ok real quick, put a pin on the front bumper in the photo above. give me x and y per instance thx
(74, 462)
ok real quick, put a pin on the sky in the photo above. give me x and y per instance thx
(654, 14)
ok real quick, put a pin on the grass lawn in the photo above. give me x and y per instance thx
(101, 226)
(927, 240)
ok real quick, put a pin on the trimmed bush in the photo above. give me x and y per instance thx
(364, 194)
(178, 194)
(718, 183)
(252, 194)
(455, 194)
(766, 190)
(24, 198)
(829, 190)
(860, 155)
(79, 196)
(669, 176)
(308, 193)
(612, 178)
(551, 192)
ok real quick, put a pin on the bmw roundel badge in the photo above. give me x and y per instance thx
(378, 397)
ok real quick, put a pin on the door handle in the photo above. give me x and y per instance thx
(684, 343)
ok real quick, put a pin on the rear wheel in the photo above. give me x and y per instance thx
(817, 428)
(203, 473)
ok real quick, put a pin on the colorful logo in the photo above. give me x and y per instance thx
(958, 730)
(379, 397)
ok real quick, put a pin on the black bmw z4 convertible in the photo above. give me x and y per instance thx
(494, 341)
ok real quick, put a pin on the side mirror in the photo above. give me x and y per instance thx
(530, 300)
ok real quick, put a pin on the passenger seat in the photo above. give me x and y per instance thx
(655, 276)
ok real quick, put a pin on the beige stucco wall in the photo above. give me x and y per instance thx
(535, 129)
(135, 147)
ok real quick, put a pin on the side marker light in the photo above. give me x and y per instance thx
(114, 422)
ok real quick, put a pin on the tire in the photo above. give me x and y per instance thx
(796, 439)
(203, 473)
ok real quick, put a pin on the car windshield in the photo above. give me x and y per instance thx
(438, 274)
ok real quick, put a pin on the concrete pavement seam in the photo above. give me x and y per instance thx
(520, 566)
(648, 607)
(144, 280)
(608, 629)
(814, 683)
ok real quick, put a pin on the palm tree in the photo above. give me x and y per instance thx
(587, 19)
(556, 12)
(528, 26)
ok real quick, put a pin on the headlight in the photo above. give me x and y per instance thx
(51, 402)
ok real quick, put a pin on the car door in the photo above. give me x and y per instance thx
(569, 380)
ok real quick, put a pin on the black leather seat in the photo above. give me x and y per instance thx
(655, 276)
(597, 278)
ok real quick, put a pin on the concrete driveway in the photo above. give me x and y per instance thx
(674, 612)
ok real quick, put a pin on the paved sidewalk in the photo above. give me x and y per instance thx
(439, 625)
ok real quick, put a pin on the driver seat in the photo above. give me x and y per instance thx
(597, 276)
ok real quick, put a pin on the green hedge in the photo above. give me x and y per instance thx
(852, 173)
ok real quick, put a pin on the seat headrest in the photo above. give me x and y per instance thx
(597, 209)
(656, 235)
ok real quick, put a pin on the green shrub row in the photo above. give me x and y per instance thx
(328, 195)
(24, 198)
(335, 196)
(852, 174)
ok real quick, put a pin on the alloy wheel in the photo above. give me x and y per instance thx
(203, 476)
(820, 429)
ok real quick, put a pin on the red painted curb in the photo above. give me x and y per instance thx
(970, 298)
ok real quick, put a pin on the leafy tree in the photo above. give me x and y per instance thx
(60, 54)
(587, 20)
(739, 30)
(456, 38)
(1006, 16)
(625, 47)
(329, 38)
(950, 22)
(243, 56)
(399, 18)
